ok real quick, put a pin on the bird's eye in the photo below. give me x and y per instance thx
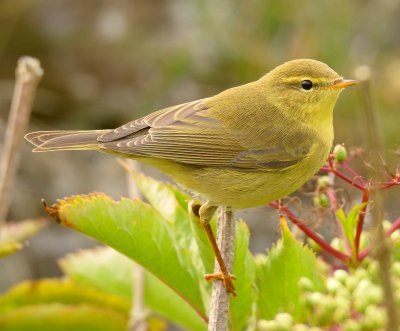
(307, 84)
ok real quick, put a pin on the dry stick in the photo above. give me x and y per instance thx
(138, 314)
(28, 74)
(381, 249)
(219, 311)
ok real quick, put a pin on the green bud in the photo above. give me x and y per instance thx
(323, 182)
(326, 309)
(351, 325)
(374, 295)
(321, 200)
(367, 294)
(386, 225)
(306, 284)
(340, 314)
(264, 325)
(301, 327)
(316, 201)
(363, 285)
(333, 285)
(395, 235)
(306, 299)
(340, 153)
(284, 320)
(313, 244)
(372, 269)
(396, 268)
(375, 318)
(341, 275)
(343, 292)
(338, 244)
(351, 283)
(316, 298)
(360, 274)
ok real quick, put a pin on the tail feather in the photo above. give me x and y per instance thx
(46, 141)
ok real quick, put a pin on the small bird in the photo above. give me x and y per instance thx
(244, 147)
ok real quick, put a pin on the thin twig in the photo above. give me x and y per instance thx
(343, 176)
(311, 234)
(381, 247)
(356, 176)
(28, 74)
(138, 313)
(361, 218)
(220, 299)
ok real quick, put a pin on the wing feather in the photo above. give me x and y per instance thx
(188, 134)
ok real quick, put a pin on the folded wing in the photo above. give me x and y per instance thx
(189, 134)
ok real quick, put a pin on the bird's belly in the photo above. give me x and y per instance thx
(241, 189)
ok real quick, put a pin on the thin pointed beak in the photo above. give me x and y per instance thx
(342, 83)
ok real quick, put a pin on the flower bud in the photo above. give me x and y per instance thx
(264, 325)
(306, 284)
(323, 182)
(284, 320)
(351, 325)
(340, 153)
(341, 275)
(333, 285)
(375, 318)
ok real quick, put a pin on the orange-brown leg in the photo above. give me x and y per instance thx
(205, 214)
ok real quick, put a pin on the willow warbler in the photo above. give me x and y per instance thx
(246, 146)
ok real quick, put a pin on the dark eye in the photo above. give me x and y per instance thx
(307, 84)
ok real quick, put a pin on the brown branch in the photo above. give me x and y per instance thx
(220, 299)
(381, 248)
(28, 74)
(138, 313)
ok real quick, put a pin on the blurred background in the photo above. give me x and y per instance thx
(108, 62)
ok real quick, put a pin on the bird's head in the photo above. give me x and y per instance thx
(306, 86)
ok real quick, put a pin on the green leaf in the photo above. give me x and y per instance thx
(168, 203)
(180, 196)
(205, 252)
(140, 232)
(110, 271)
(349, 223)
(30, 293)
(61, 317)
(244, 269)
(173, 205)
(13, 234)
(279, 274)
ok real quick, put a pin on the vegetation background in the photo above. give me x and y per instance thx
(108, 62)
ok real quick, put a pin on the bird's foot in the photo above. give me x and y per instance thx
(226, 278)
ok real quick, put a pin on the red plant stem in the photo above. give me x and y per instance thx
(383, 186)
(330, 161)
(395, 226)
(360, 222)
(332, 199)
(344, 177)
(356, 176)
(364, 253)
(311, 234)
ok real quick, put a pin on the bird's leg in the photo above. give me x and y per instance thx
(205, 213)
